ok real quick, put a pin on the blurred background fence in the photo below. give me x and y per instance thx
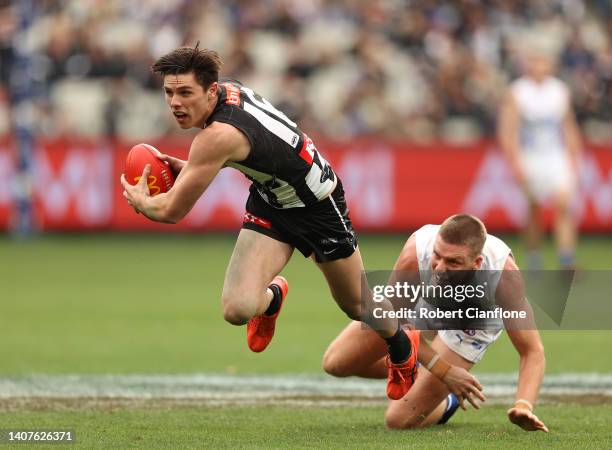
(401, 95)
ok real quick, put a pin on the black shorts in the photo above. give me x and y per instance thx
(324, 229)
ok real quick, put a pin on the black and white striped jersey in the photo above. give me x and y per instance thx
(284, 164)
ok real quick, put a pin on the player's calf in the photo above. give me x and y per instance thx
(260, 329)
(352, 310)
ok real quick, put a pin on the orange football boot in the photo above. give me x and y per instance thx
(260, 329)
(401, 377)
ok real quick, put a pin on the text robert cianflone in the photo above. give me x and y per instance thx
(468, 313)
(412, 292)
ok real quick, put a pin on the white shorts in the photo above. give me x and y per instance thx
(469, 344)
(548, 174)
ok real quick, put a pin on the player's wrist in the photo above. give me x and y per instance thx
(438, 367)
(521, 403)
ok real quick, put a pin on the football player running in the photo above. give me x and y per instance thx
(296, 202)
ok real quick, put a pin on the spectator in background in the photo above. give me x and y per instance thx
(413, 69)
(7, 27)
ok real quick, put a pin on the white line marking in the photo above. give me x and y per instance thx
(244, 389)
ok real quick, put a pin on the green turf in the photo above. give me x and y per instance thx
(316, 427)
(150, 304)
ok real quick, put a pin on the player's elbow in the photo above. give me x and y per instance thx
(172, 220)
(173, 215)
(538, 352)
(165, 209)
(534, 352)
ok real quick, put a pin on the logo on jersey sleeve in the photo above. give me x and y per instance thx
(308, 150)
(233, 94)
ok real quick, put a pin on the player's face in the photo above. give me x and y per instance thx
(539, 66)
(189, 102)
(447, 258)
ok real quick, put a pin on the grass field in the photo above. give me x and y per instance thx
(291, 427)
(132, 304)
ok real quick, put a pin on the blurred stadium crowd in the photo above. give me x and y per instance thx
(414, 69)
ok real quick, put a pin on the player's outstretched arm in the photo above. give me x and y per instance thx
(210, 150)
(531, 372)
(459, 381)
(526, 339)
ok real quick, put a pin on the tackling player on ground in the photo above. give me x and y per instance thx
(296, 201)
(461, 243)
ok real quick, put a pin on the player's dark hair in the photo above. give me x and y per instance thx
(205, 64)
(464, 229)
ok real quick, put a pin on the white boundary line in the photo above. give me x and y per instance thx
(246, 389)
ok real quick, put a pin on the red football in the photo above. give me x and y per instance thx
(160, 179)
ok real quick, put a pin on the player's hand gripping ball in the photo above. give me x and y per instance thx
(160, 179)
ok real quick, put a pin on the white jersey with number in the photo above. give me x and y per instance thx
(544, 158)
(542, 107)
(470, 344)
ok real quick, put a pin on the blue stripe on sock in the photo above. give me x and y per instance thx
(452, 403)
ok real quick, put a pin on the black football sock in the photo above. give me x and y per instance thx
(275, 304)
(399, 347)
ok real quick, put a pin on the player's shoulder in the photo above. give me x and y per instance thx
(556, 82)
(558, 85)
(416, 242)
(423, 240)
(427, 230)
(525, 85)
(224, 81)
(407, 259)
(424, 236)
(229, 95)
(230, 80)
(496, 241)
(518, 91)
(221, 139)
(520, 83)
(496, 252)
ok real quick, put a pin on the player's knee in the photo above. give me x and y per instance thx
(332, 364)
(562, 206)
(353, 311)
(235, 317)
(236, 314)
(238, 306)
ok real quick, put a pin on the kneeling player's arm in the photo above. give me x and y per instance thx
(523, 332)
(531, 373)
(531, 366)
(458, 380)
(209, 152)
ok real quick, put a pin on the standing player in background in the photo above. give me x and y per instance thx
(296, 201)
(459, 244)
(539, 134)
